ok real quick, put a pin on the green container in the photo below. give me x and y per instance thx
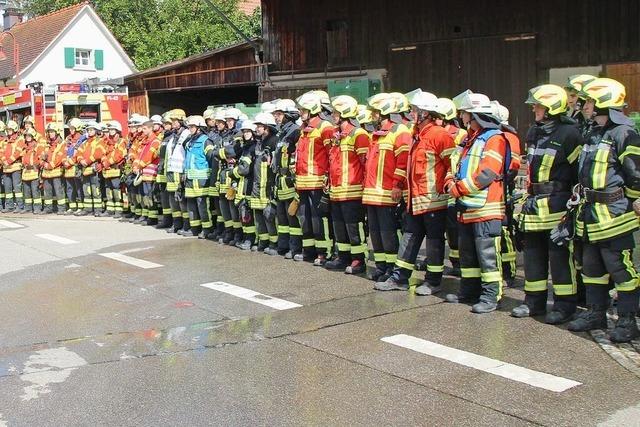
(360, 89)
(635, 116)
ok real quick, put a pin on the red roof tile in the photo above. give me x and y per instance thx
(34, 35)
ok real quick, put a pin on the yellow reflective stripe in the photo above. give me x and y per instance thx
(435, 268)
(600, 169)
(630, 150)
(602, 280)
(470, 273)
(344, 247)
(401, 149)
(454, 253)
(545, 167)
(400, 172)
(308, 242)
(494, 155)
(491, 276)
(563, 289)
(535, 285)
(629, 286)
(403, 264)
(379, 257)
(391, 258)
(571, 158)
(631, 193)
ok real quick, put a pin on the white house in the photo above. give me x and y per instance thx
(66, 46)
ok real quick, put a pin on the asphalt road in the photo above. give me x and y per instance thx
(105, 323)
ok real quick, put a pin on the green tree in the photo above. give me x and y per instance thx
(154, 32)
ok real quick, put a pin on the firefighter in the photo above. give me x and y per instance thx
(477, 187)
(311, 170)
(217, 131)
(31, 163)
(146, 167)
(264, 210)
(242, 175)
(161, 179)
(507, 245)
(286, 115)
(575, 103)
(89, 157)
(29, 123)
(553, 147)
(426, 200)
(3, 140)
(133, 150)
(12, 167)
(347, 157)
(73, 185)
(384, 182)
(197, 170)
(112, 161)
(609, 178)
(53, 170)
(175, 154)
(449, 113)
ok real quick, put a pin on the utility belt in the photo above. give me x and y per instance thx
(606, 197)
(549, 187)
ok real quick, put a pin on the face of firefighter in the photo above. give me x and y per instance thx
(168, 127)
(27, 126)
(336, 117)
(279, 116)
(157, 128)
(261, 130)
(72, 130)
(193, 130)
(539, 111)
(247, 135)
(175, 125)
(231, 123)
(466, 119)
(210, 123)
(113, 133)
(28, 139)
(53, 135)
(305, 114)
(220, 125)
(588, 109)
(10, 132)
(601, 119)
(91, 132)
(572, 99)
(375, 116)
(439, 122)
(146, 130)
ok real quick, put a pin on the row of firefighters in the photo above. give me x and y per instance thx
(319, 179)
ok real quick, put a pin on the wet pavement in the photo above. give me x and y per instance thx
(93, 338)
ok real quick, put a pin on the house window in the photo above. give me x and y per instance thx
(83, 58)
(337, 41)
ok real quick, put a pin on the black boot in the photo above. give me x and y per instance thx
(338, 263)
(564, 307)
(535, 304)
(626, 328)
(594, 318)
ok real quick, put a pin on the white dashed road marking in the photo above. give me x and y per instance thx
(130, 260)
(485, 364)
(8, 224)
(57, 239)
(249, 295)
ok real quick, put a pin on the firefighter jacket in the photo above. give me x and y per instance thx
(312, 154)
(32, 161)
(458, 136)
(197, 165)
(228, 154)
(89, 155)
(428, 166)
(242, 172)
(53, 166)
(609, 162)
(72, 143)
(346, 166)
(263, 175)
(386, 166)
(116, 151)
(284, 161)
(147, 160)
(216, 140)
(479, 177)
(552, 171)
(12, 154)
(162, 156)
(175, 158)
(133, 149)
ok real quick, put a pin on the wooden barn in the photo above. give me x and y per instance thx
(499, 47)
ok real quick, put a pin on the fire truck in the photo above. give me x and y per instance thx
(59, 104)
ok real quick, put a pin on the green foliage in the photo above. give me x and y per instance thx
(154, 32)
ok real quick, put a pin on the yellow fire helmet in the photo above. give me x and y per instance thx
(30, 132)
(28, 119)
(402, 102)
(606, 93)
(364, 115)
(553, 97)
(447, 109)
(346, 105)
(310, 101)
(13, 126)
(55, 127)
(76, 123)
(3, 127)
(177, 114)
(208, 114)
(384, 103)
(578, 81)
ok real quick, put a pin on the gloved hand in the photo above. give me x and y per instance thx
(454, 192)
(396, 194)
(563, 233)
(636, 207)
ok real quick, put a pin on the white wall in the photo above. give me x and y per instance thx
(85, 34)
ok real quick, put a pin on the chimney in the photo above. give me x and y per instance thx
(12, 16)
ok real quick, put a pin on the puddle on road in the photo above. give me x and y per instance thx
(46, 367)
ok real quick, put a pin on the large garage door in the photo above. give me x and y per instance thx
(502, 67)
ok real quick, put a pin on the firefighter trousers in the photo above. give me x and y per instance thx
(80, 192)
(32, 196)
(54, 191)
(315, 225)
(13, 190)
(542, 256)
(480, 264)
(610, 260)
(289, 230)
(452, 236)
(92, 193)
(176, 213)
(383, 233)
(114, 195)
(148, 206)
(199, 218)
(508, 254)
(432, 226)
(266, 229)
(219, 219)
(348, 230)
(72, 193)
(165, 205)
(231, 216)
